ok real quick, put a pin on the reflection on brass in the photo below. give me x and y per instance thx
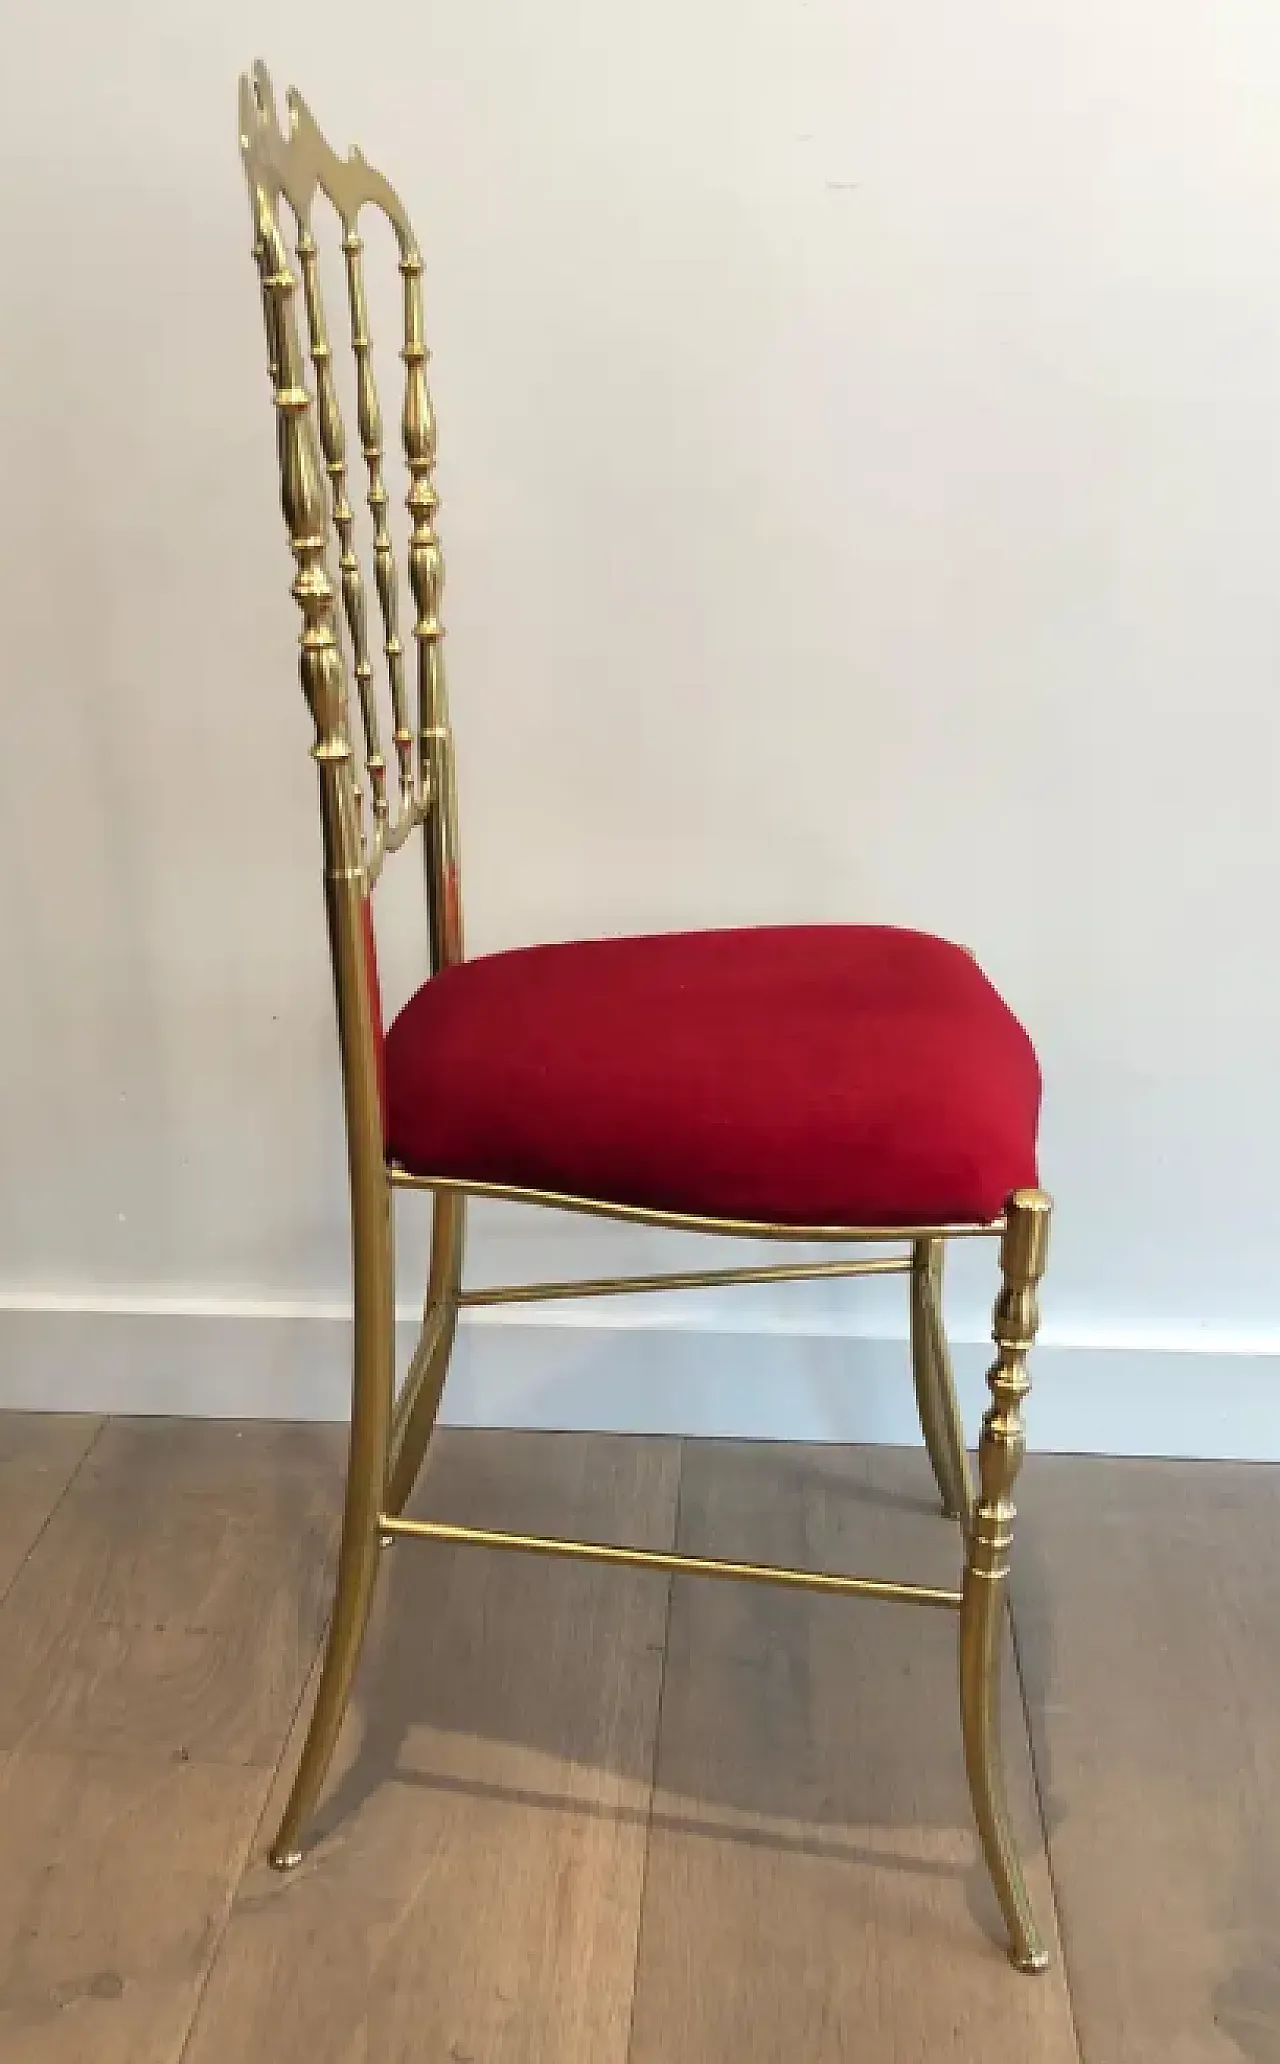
(935, 1384)
(419, 1399)
(289, 176)
(688, 1222)
(982, 1613)
(689, 1279)
(334, 446)
(295, 169)
(271, 174)
(681, 1565)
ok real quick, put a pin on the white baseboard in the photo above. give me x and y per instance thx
(572, 1368)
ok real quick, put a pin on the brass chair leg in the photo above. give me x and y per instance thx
(989, 1540)
(419, 1401)
(936, 1399)
(358, 1548)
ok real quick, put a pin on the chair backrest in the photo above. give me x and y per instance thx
(365, 818)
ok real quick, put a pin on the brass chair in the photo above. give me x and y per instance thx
(838, 1084)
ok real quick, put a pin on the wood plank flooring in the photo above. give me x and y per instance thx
(584, 1814)
(1145, 1607)
(478, 1896)
(154, 1645)
(812, 1837)
(39, 1454)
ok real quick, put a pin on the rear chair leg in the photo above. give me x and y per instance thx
(935, 1385)
(419, 1401)
(358, 1548)
(990, 1538)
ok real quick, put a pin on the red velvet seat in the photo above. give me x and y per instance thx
(808, 1075)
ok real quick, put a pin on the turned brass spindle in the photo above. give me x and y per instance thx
(369, 417)
(334, 446)
(1023, 1251)
(303, 500)
(426, 578)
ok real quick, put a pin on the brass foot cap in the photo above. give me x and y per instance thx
(285, 1859)
(1032, 1961)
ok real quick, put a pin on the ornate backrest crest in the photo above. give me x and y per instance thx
(418, 789)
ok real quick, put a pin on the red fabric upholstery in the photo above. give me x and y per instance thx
(817, 1075)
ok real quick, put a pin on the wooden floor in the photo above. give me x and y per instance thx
(583, 1816)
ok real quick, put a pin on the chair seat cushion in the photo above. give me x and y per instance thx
(808, 1075)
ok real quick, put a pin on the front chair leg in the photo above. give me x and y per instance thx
(990, 1538)
(358, 1547)
(935, 1385)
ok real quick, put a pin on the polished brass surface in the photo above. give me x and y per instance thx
(275, 170)
(886, 1588)
(426, 578)
(334, 446)
(689, 1222)
(983, 1617)
(293, 169)
(369, 419)
(288, 173)
(935, 1383)
(688, 1279)
(419, 1399)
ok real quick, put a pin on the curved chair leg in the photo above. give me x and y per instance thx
(358, 1548)
(419, 1400)
(990, 1538)
(936, 1399)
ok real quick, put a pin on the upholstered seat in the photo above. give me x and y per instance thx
(809, 1075)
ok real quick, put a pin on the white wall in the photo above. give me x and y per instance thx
(861, 461)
